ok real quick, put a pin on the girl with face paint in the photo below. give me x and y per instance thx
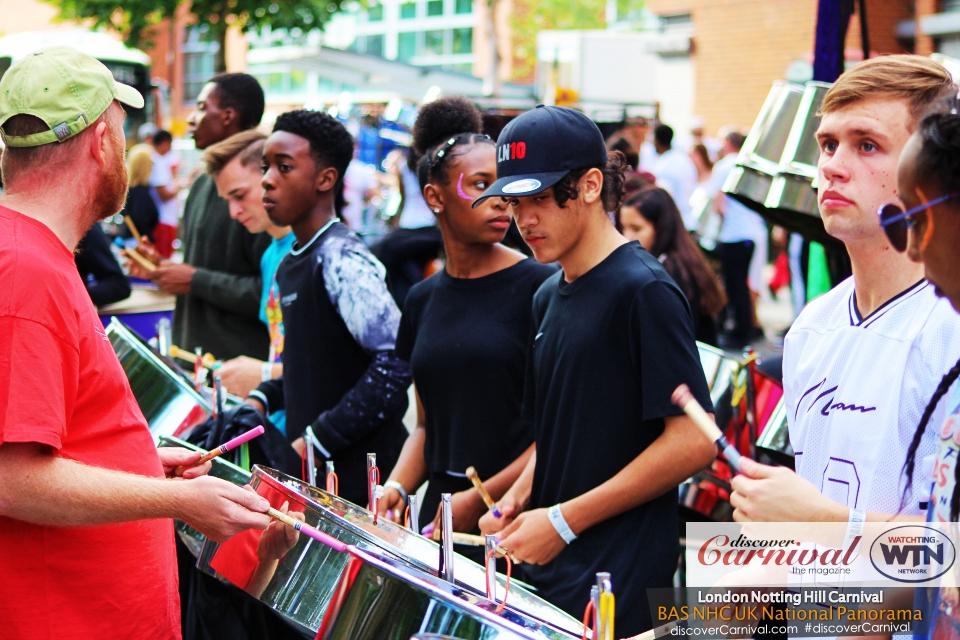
(465, 330)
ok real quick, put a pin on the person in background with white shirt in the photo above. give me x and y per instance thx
(359, 185)
(741, 246)
(163, 181)
(675, 172)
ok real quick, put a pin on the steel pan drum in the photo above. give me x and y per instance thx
(774, 440)
(378, 598)
(169, 403)
(222, 469)
(723, 372)
(305, 578)
(776, 173)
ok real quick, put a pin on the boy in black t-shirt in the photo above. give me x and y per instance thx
(613, 338)
(341, 375)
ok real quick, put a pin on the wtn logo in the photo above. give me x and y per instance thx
(912, 554)
(921, 553)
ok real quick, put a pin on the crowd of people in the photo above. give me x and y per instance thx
(550, 373)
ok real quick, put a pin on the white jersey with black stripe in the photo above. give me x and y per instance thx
(855, 389)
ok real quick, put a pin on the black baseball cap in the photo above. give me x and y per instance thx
(537, 149)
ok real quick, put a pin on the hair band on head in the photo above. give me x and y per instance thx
(460, 190)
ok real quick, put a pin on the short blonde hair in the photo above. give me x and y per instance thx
(246, 144)
(140, 165)
(917, 80)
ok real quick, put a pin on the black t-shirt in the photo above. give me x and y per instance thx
(609, 350)
(467, 342)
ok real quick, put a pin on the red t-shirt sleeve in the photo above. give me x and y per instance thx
(39, 374)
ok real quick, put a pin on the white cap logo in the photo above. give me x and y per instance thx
(522, 186)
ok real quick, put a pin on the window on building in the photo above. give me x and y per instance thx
(463, 6)
(408, 10)
(326, 85)
(406, 45)
(199, 52)
(434, 7)
(275, 83)
(433, 42)
(298, 81)
(463, 40)
(375, 45)
(375, 13)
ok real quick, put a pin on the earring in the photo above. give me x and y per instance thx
(436, 210)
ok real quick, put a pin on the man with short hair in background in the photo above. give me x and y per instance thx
(218, 286)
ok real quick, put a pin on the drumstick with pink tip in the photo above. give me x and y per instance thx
(306, 529)
(222, 449)
(685, 400)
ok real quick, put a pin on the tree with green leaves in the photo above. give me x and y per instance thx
(134, 18)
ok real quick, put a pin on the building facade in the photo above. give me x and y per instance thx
(739, 47)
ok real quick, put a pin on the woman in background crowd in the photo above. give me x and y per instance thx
(651, 217)
(142, 202)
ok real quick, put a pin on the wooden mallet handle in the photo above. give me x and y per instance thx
(487, 499)
(685, 400)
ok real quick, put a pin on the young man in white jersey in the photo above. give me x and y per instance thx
(861, 362)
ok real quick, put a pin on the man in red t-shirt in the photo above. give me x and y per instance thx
(86, 536)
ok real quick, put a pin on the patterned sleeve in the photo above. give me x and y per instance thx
(355, 282)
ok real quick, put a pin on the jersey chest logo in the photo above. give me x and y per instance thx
(825, 401)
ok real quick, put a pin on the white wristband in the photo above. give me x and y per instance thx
(854, 527)
(266, 371)
(393, 484)
(558, 522)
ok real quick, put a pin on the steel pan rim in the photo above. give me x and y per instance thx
(271, 476)
(487, 616)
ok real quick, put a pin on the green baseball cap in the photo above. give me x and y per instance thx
(65, 88)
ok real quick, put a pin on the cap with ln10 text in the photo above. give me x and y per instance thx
(65, 88)
(538, 148)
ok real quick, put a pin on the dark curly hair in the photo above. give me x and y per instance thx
(242, 93)
(614, 176)
(331, 145)
(441, 126)
(939, 156)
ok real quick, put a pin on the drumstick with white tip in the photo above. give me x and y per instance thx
(685, 400)
(177, 352)
(222, 449)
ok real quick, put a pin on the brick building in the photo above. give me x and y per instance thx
(740, 47)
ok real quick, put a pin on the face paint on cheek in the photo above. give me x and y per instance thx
(460, 189)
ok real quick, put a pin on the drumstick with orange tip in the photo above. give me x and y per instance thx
(222, 449)
(487, 500)
(685, 400)
(139, 259)
(177, 352)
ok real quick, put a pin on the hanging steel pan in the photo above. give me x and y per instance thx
(776, 172)
(301, 582)
(378, 597)
(759, 158)
(169, 402)
(222, 469)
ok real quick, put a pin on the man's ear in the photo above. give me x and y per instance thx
(432, 197)
(229, 118)
(591, 186)
(99, 141)
(326, 179)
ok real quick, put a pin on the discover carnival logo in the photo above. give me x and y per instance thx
(742, 551)
(912, 553)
